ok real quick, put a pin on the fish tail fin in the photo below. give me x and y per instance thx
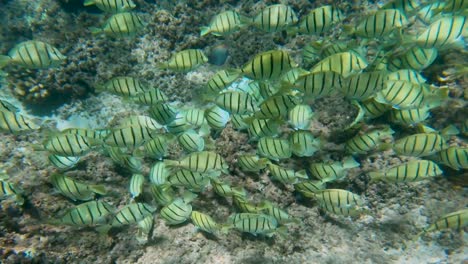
(282, 231)
(375, 176)
(95, 30)
(349, 29)
(301, 174)
(162, 65)
(245, 20)
(171, 163)
(292, 31)
(89, 2)
(450, 130)
(224, 229)
(350, 162)
(104, 229)
(204, 31)
(99, 189)
(4, 61)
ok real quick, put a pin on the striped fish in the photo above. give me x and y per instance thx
(370, 141)
(162, 194)
(136, 185)
(124, 86)
(203, 161)
(87, 214)
(330, 171)
(444, 32)
(178, 125)
(124, 24)
(401, 95)
(128, 137)
(157, 147)
(309, 187)
(239, 122)
(428, 12)
(454, 6)
(364, 85)
(68, 145)
(274, 148)
(145, 227)
(15, 123)
(250, 162)
(256, 224)
(409, 117)
(245, 205)
(225, 190)
(205, 222)
(300, 117)
(7, 106)
(303, 143)
(216, 117)
(253, 88)
(344, 63)
(221, 80)
(96, 134)
(194, 181)
(176, 212)
(163, 113)
(136, 120)
(236, 102)
(269, 65)
(279, 214)
(275, 18)
(380, 24)
(111, 6)
(185, 60)
(124, 160)
(408, 75)
(132, 213)
(158, 173)
(420, 145)
(406, 6)
(415, 170)
(75, 190)
(456, 220)
(33, 55)
(318, 84)
(338, 198)
(454, 157)
(286, 176)
(9, 189)
(416, 58)
(195, 116)
(310, 53)
(191, 141)
(263, 128)
(63, 163)
(320, 20)
(223, 24)
(291, 76)
(277, 106)
(344, 211)
(151, 97)
(373, 109)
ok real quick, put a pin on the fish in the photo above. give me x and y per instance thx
(125, 24)
(75, 190)
(245, 205)
(416, 58)
(373, 109)
(92, 213)
(454, 157)
(364, 85)
(251, 162)
(8, 107)
(318, 84)
(409, 75)
(344, 211)
(216, 117)
(191, 141)
(409, 117)
(256, 224)
(274, 148)
(310, 53)
(369, 141)
(221, 80)
(320, 20)
(291, 76)
(132, 213)
(277, 106)
(420, 145)
(236, 102)
(96, 134)
(309, 187)
(203, 161)
(275, 18)
(68, 145)
(299, 117)
(279, 214)
(158, 146)
(344, 63)
(456, 220)
(163, 194)
(455, 6)
(179, 125)
(401, 95)
(225, 190)
(136, 185)
(239, 121)
(406, 6)
(163, 113)
(16, 123)
(129, 137)
(206, 223)
(412, 171)
(428, 12)
(379, 24)
(195, 117)
(176, 212)
(185, 60)
(330, 171)
(123, 86)
(303, 143)
(253, 88)
(158, 173)
(443, 33)
(223, 24)
(152, 97)
(258, 128)
(124, 160)
(111, 6)
(9, 189)
(63, 162)
(286, 176)
(33, 54)
(135, 120)
(145, 227)
(194, 181)
(268, 65)
(338, 198)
